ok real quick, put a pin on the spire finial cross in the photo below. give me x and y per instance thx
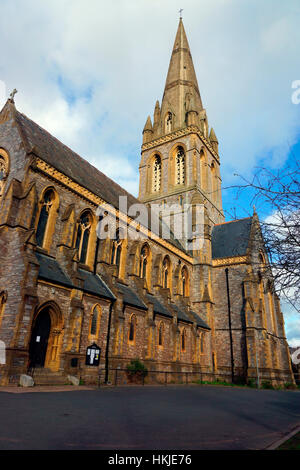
(180, 13)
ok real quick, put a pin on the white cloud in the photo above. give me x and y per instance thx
(245, 55)
(112, 59)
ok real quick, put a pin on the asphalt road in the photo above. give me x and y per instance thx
(172, 417)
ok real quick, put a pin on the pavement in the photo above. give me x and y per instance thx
(174, 417)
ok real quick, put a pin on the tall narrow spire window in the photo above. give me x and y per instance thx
(180, 166)
(156, 174)
(43, 223)
(168, 123)
(213, 183)
(203, 171)
(83, 235)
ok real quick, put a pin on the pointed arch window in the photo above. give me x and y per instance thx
(45, 212)
(213, 183)
(161, 334)
(183, 340)
(95, 319)
(144, 261)
(156, 174)
(166, 272)
(132, 329)
(184, 282)
(83, 235)
(116, 250)
(168, 123)
(203, 170)
(180, 166)
(261, 261)
(201, 343)
(214, 361)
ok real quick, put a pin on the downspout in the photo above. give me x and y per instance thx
(108, 340)
(230, 330)
(96, 256)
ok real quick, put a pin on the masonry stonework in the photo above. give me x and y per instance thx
(63, 289)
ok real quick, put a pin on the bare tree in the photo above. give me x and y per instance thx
(279, 193)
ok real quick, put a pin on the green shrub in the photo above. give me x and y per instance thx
(136, 367)
(267, 385)
(252, 383)
(289, 386)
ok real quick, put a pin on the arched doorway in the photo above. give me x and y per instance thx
(46, 337)
(39, 339)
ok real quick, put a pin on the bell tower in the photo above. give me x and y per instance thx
(180, 159)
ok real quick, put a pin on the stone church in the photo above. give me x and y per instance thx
(63, 288)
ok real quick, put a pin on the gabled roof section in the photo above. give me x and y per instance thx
(61, 157)
(93, 284)
(158, 307)
(181, 314)
(199, 320)
(130, 297)
(231, 238)
(50, 270)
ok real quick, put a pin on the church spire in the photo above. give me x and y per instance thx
(181, 94)
(179, 135)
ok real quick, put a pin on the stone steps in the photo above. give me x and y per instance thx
(48, 377)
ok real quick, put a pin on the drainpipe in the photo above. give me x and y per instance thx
(107, 341)
(230, 330)
(96, 256)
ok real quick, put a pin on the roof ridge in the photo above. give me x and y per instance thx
(73, 151)
(232, 221)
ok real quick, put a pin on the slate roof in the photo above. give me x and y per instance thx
(199, 320)
(231, 238)
(130, 297)
(50, 270)
(181, 314)
(158, 307)
(93, 284)
(54, 152)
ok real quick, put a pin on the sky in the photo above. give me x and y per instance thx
(90, 73)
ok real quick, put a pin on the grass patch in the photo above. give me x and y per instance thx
(218, 382)
(291, 444)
